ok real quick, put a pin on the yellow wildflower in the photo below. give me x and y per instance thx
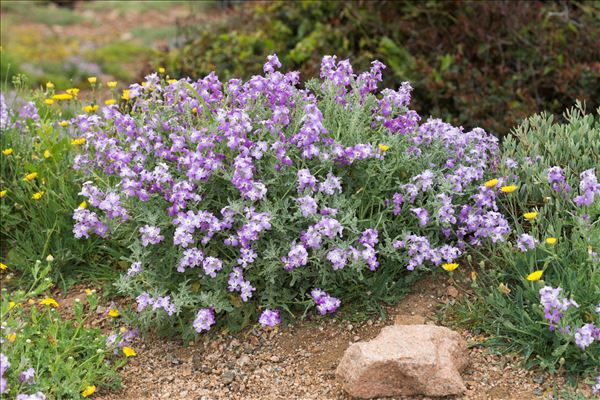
(110, 102)
(535, 276)
(450, 266)
(62, 96)
(37, 195)
(90, 108)
(530, 215)
(78, 142)
(47, 154)
(114, 313)
(123, 329)
(473, 276)
(92, 80)
(11, 305)
(491, 183)
(125, 95)
(551, 241)
(3, 266)
(111, 84)
(508, 189)
(73, 91)
(7, 152)
(49, 85)
(50, 258)
(11, 337)
(64, 123)
(129, 352)
(49, 102)
(49, 301)
(3, 193)
(161, 70)
(88, 391)
(195, 110)
(383, 147)
(83, 205)
(30, 177)
(171, 81)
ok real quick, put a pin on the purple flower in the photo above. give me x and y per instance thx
(398, 201)
(584, 336)
(588, 187)
(151, 235)
(269, 318)
(297, 257)
(554, 305)
(306, 180)
(35, 396)
(369, 237)
(331, 185)
(205, 318)
(556, 177)
(271, 64)
(422, 215)
(526, 242)
(3, 385)
(338, 258)
(308, 206)
(143, 300)
(211, 266)
(28, 376)
(596, 387)
(134, 269)
(325, 303)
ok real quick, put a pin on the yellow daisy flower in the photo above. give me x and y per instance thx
(7, 152)
(62, 96)
(129, 352)
(535, 276)
(551, 241)
(30, 177)
(531, 215)
(450, 266)
(49, 301)
(508, 189)
(88, 391)
(111, 84)
(37, 195)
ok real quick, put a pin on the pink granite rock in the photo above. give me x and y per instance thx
(405, 360)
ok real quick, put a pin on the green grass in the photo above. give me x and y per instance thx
(41, 13)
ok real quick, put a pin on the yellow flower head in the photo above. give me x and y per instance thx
(62, 96)
(83, 205)
(551, 241)
(73, 91)
(11, 337)
(50, 258)
(7, 152)
(508, 189)
(49, 85)
(3, 193)
(37, 195)
(530, 215)
(114, 313)
(88, 391)
(383, 147)
(64, 123)
(49, 301)
(92, 80)
(129, 352)
(90, 108)
(161, 70)
(49, 102)
(535, 276)
(111, 84)
(11, 305)
(125, 95)
(450, 266)
(78, 142)
(47, 154)
(30, 177)
(110, 102)
(171, 81)
(3, 266)
(473, 276)
(491, 183)
(195, 110)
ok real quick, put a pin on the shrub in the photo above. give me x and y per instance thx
(486, 64)
(552, 315)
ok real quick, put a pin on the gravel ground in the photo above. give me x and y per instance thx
(298, 361)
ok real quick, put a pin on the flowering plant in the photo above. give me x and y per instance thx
(252, 197)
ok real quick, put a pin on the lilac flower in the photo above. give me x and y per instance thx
(271, 64)
(306, 180)
(422, 215)
(297, 257)
(164, 303)
(4, 114)
(446, 211)
(556, 177)
(205, 318)
(134, 269)
(246, 290)
(596, 387)
(211, 266)
(369, 237)
(35, 396)
(554, 305)
(584, 336)
(151, 235)
(3, 385)
(28, 376)
(398, 201)
(236, 279)
(588, 187)
(331, 185)
(143, 300)
(269, 318)
(4, 364)
(325, 303)
(526, 242)
(338, 258)
(308, 206)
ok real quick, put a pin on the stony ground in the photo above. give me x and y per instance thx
(299, 361)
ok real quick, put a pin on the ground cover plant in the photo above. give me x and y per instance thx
(486, 64)
(238, 202)
(47, 356)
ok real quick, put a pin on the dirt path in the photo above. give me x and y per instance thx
(299, 361)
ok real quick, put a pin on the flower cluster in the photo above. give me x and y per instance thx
(26, 377)
(325, 303)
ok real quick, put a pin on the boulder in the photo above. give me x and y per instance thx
(405, 360)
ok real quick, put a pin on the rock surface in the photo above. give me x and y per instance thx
(405, 360)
